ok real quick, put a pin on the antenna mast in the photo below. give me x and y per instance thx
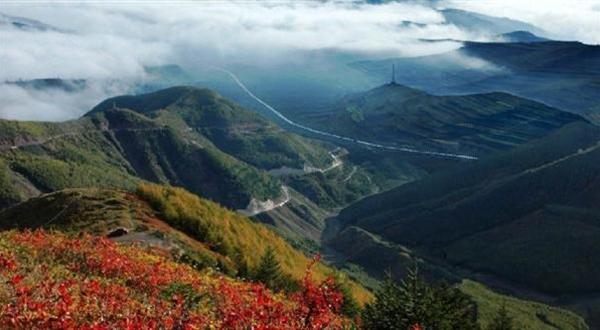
(393, 74)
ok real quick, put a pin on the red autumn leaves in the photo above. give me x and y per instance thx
(52, 281)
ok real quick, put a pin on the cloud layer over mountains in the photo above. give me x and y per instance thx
(563, 20)
(123, 38)
(115, 41)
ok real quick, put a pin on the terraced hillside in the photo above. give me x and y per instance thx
(478, 123)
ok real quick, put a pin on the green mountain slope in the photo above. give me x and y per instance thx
(231, 128)
(182, 136)
(525, 314)
(479, 123)
(529, 215)
(42, 157)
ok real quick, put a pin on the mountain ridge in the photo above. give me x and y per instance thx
(562, 74)
(478, 123)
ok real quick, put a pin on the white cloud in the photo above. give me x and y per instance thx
(54, 104)
(122, 38)
(114, 41)
(109, 41)
(29, 55)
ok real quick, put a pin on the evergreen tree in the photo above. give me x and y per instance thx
(415, 296)
(502, 321)
(269, 271)
(400, 306)
(384, 311)
(243, 270)
(350, 306)
(449, 308)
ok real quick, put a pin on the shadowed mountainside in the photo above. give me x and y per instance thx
(529, 215)
(478, 123)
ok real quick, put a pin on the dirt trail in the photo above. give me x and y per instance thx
(350, 175)
(5, 145)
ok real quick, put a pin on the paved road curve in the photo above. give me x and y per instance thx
(335, 136)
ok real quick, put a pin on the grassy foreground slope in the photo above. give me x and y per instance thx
(160, 218)
(198, 231)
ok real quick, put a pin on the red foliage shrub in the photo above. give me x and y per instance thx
(52, 281)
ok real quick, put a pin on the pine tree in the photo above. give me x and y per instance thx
(414, 302)
(269, 271)
(243, 270)
(449, 308)
(502, 320)
(415, 296)
(384, 311)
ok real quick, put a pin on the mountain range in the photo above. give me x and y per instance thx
(92, 174)
(557, 73)
(476, 170)
(188, 137)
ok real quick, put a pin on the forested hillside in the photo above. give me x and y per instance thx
(514, 219)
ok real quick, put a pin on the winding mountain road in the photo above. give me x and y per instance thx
(255, 206)
(335, 136)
